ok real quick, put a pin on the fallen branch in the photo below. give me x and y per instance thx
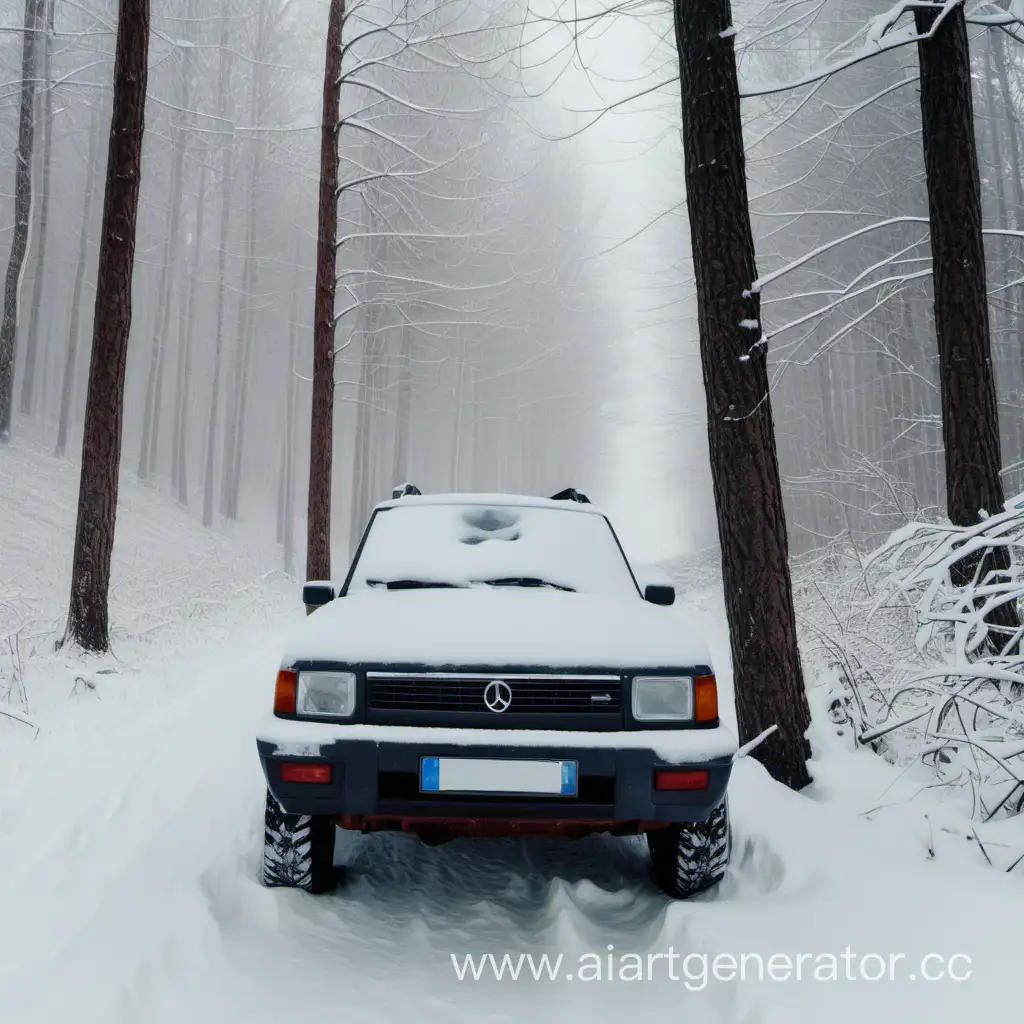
(753, 744)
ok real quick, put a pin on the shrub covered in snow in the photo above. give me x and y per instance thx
(918, 644)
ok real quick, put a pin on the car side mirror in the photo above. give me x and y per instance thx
(658, 593)
(317, 593)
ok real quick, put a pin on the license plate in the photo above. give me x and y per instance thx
(493, 775)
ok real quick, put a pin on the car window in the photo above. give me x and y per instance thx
(412, 546)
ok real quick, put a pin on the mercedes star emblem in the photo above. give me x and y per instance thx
(498, 696)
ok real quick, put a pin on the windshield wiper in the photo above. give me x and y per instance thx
(525, 581)
(413, 584)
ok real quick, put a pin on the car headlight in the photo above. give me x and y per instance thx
(326, 694)
(663, 698)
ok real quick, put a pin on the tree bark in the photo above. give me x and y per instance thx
(67, 390)
(1012, 122)
(748, 496)
(22, 213)
(970, 418)
(101, 447)
(318, 537)
(28, 380)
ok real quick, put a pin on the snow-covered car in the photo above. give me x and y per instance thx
(490, 667)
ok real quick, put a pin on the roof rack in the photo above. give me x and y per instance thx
(404, 490)
(571, 494)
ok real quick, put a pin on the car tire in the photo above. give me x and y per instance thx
(690, 857)
(298, 850)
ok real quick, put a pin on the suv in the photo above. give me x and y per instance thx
(490, 667)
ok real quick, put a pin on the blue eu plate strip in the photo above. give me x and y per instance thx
(568, 778)
(430, 774)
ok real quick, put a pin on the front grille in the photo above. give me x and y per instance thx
(544, 695)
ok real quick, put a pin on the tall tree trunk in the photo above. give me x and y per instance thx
(67, 390)
(172, 235)
(318, 533)
(1012, 123)
(400, 473)
(455, 475)
(22, 213)
(234, 437)
(367, 326)
(1002, 321)
(210, 469)
(970, 418)
(748, 494)
(282, 476)
(474, 437)
(360, 484)
(288, 511)
(101, 447)
(28, 380)
(187, 334)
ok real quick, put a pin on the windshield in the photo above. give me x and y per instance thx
(501, 546)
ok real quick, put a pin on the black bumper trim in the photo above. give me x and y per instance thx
(624, 777)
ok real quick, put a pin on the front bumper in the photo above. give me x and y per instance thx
(375, 772)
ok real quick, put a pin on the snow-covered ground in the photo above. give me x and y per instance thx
(131, 816)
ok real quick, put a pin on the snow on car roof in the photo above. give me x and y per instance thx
(490, 540)
(518, 500)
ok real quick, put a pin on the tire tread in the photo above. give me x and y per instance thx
(691, 857)
(298, 850)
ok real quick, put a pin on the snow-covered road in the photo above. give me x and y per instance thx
(129, 893)
(130, 841)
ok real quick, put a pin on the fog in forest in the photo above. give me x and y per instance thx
(515, 304)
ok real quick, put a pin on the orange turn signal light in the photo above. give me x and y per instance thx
(284, 692)
(705, 699)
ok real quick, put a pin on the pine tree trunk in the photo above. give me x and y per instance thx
(1012, 124)
(187, 334)
(970, 418)
(101, 447)
(455, 475)
(318, 534)
(970, 421)
(400, 472)
(288, 512)
(210, 469)
(282, 474)
(751, 522)
(22, 213)
(67, 390)
(991, 150)
(234, 437)
(367, 326)
(158, 351)
(28, 380)
(360, 487)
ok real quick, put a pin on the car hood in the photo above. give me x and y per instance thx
(481, 627)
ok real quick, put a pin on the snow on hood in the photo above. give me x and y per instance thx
(481, 626)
